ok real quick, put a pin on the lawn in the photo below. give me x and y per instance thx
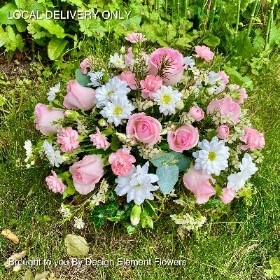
(238, 247)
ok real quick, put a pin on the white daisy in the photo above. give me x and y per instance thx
(247, 166)
(212, 78)
(95, 78)
(138, 185)
(79, 223)
(117, 60)
(167, 99)
(52, 92)
(53, 156)
(118, 109)
(115, 87)
(236, 181)
(213, 156)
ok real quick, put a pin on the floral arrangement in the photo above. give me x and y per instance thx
(144, 128)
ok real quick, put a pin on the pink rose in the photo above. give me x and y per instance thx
(223, 131)
(84, 65)
(198, 183)
(122, 162)
(172, 73)
(45, 118)
(99, 140)
(129, 59)
(135, 38)
(253, 139)
(196, 113)
(242, 96)
(55, 184)
(204, 52)
(79, 97)
(129, 78)
(68, 139)
(183, 138)
(144, 128)
(86, 173)
(150, 85)
(227, 195)
(226, 107)
(224, 77)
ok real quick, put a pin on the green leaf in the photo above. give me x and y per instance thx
(150, 208)
(2, 100)
(56, 48)
(76, 245)
(146, 220)
(183, 162)
(82, 79)
(52, 27)
(115, 143)
(135, 214)
(168, 177)
(70, 190)
(28, 275)
(163, 159)
(212, 41)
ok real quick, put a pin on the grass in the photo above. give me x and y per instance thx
(235, 249)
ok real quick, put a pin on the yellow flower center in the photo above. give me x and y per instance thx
(212, 156)
(117, 111)
(166, 98)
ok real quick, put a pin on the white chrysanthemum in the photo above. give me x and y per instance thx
(28, 149)
(53, 156)
(79, 223)
(115, 87)
(213, 156)
(117, 60)
(247, 166)
(138, 185)
(236, 181)
(167, 98)
(95, 78)
(118, 109)
(52, 93)
(212, 78)
(189, 61)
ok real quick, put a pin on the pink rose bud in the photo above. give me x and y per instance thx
(144, 128)
(253, 139)
(84, 65)
(79, 97)
(122, 162)
(55, 184)
(183, 138)
(204, 52)
(224, 77)
(130, 78)
(227, 195)
(86, 173)
(196, 113)
(45, 118)
(198, 183)
(150, 85)
(68, 139)
(223, 131)
(99, 140)
(135, 38)
(242, 96)
(174, 61)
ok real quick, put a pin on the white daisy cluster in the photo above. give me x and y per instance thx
(188, 222)
(148, 152)
(52, 92)
(54, 157)
(142, 105)
(100, 196)
(112, 97)
(79, 223)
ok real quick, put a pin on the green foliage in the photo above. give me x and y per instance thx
(56, 48)
(275, 269)
(82, 79)
(168, 177)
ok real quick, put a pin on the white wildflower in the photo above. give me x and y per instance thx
(65, 211)
(79, 223)
(52, 92)
(117, 60)
(53, 156)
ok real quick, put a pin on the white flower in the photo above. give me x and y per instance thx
(52, 93)
(189, 61)
(53, 156)
(247, 166)
(95, 78)
(167, 99)
(236, 181)
(138, 185)
(28, 149)
(117, 60)
(79, 223)
(117, 110)
(115, 87)
(212, 78)
(213, 156)
(65, 211)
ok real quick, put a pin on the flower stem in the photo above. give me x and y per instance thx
(252, 17)
(269, 24)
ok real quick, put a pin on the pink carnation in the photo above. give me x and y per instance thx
(150, 85)
(196, 113)
(174, 62)
(128, 77)
(99, 140)
(55, 184)
(204, 52)
(227, 195)
(223, 131)
(121, 162)
(224, 77)
(135, 38)
(198, 183)
(253, 139)
(242, 96)
(68, 139)
(226, 107)
(84, 65)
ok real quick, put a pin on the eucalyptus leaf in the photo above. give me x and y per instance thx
(168, 177)
(82, 79)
